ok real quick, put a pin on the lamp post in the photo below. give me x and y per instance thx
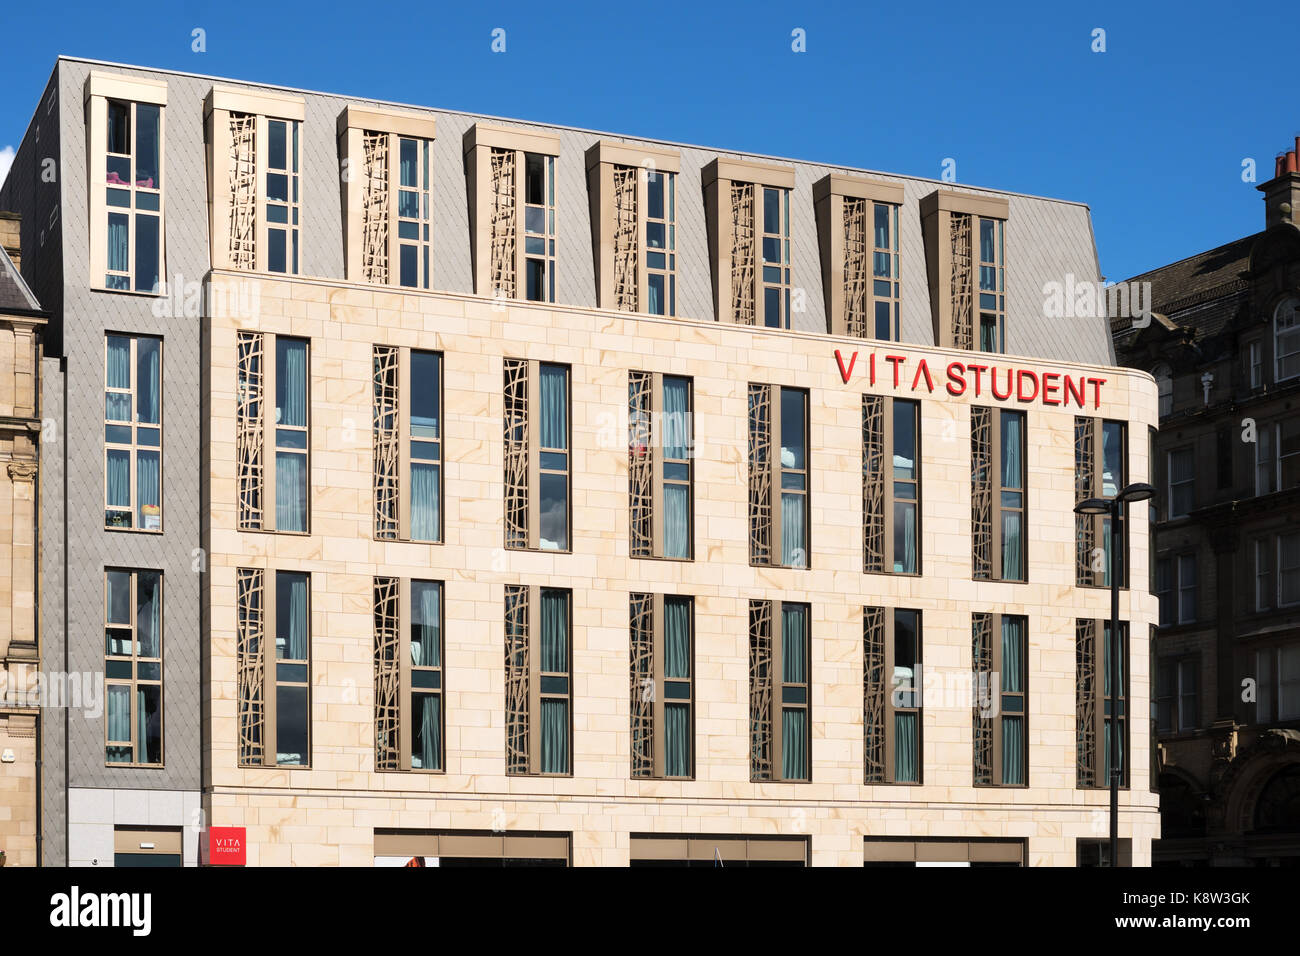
(1138, 491)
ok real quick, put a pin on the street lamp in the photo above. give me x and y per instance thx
(1138, 491)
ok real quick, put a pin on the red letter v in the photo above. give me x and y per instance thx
(845, 373)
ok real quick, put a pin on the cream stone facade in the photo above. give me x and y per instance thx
(328, 814)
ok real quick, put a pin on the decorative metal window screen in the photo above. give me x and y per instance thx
(517, 666)
(873, 483)
(855, 267)
(387, 674)
(374, 207)
(504, 226)
(982, 473)
(981, 718)
(643, 688)
(386, 438)
(516, 453)
(243, 192)
(963, 282)
(760, 474)
(626, 231)
(249, 414)
(743, 254)
(250, 640)
(640, 465)
(760, 690)
(1088, 754)
(874, 712)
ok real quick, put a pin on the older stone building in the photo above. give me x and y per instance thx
(21, 325)
(480, 491)
(1224, 347)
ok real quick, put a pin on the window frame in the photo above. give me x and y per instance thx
(532, 594)
(1171, 484)
(134, 659)
(781, 265)
(266, 586)
(264, 346)
(1268, 673)
(778, 686)
(406, 689)
(1181, 670)
(399, 429)
(291, 204)
(996, 309)
(997, 488)
(775, 399)
(1093, 527)
(655, 674)
(1255, 363)
(985, 685)
(1100, 728)
(1291, 333)
(647, 436)
(134, 447)
(886, 687)
(887, 561)
(1283, 569)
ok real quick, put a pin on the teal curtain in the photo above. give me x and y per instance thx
(676, 418)
(118, 375)
(296, 648)
(119, 721)
(794, 630)
(291, 383)
(555, 631)
(553, 391)
(148, 614)
(676, 523)
(794, 744)
(118, 477)
(119, 242)
(677, 638)
(148, 380)
(426, 504)
(290, 491)
(905, 748)
(654, 295)
(147, 467)
(989, 337)
(1105, 550)
(426, 626)
(555, 736)
(429, 756)
(1013, 655)
(141, 728)
(794, 547)
(677, 740)
(1013, 750)
(1012, 473)
(905, 557)
(1012, 546)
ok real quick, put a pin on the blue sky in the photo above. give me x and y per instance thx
(1150, 133)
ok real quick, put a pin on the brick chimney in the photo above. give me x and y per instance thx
(1283, 189)
(9, 235)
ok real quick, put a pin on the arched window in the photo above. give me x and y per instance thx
(1278, 807)
(1286, 338)
(1164, 377)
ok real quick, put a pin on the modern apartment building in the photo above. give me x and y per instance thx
(470, 490)
(1224, 346)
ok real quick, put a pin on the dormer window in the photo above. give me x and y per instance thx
(1286, 338)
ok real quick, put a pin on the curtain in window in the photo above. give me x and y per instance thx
(148, 611)
(292, 384)
(430, 753)
(794, 744)
(118, 478)
(553, 392)
(119, 721)
(793, 547)
(905, 747)
(676, 419)
(141, 728)
(297, 636)
(426, 643)
(794, 668)
(654, 295)
(1011, 446)
(147, 384)
(988, 330)
(1110, 460)
(426, 505)
(1012, 546)
(677, 744)
(555, 632)
(676, 523)
(290, 492)
(1105, 549)
(117, 374)
(1013, 662)
(1013, 750)
(677, 639)
(906, 562)
(147, 466)
(119, 243)
(555, 736)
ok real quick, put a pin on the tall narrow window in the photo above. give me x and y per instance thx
(273, 664)
(537, 455)
(1176, 693)
(409, 687)
(1288, 453)
(891, 485)
(133, 433)
(1288, 569)
(778, 476)
(1265, 464)
(660, 452)
(1164, 377)
(998, 490)
(857, 229)
(413, 213)
(1182, 482)
(1277, 672)
(408, 444)
(272, 432)
(662, 695)
(884, 271)
(539, 227)
(1255, 364)
(993, 298)
(1100, 471)
(1286, 338)
(999, 652)
(891, 679)
(539, 693)
(290, 435)
(1186, 588)
(1263, 548)
(133, 667)
(661, 243)
(965, 245)
(1092, 703)
(282, 195)
(779, 691)
(133, 196)
(776, 258)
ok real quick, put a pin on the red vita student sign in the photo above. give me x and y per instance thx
(227, 846)
(1001, 382)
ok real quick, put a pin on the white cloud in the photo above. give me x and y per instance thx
(6, 160)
